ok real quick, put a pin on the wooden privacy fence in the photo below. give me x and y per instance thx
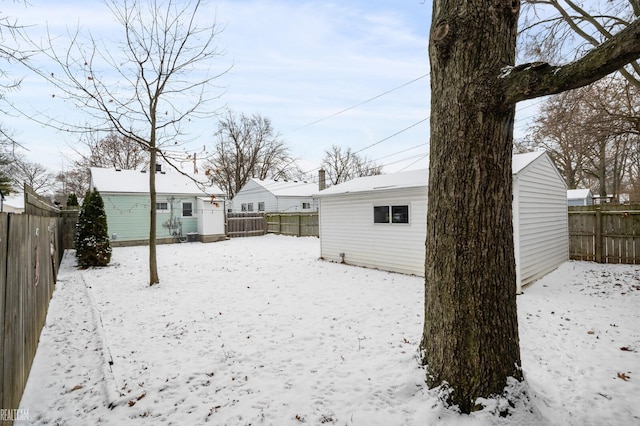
(30, 253)
(245, 224)
(31, 248)
(297, 224)
(254, 224)
(605, 234)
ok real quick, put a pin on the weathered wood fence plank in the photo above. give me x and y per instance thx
(295, 224)
(31, 248)
(605, 234)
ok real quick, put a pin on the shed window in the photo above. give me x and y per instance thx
(187, 209)
(306, 206)
(250, 207)
(391, 214)
(162, 206)
(399, 214)
(380, 214)
(261, 206)
(243, 207)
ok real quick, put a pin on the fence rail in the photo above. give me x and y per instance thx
(605, 234)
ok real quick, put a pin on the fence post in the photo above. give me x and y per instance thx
(598, 236)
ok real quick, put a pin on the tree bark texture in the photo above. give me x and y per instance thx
(470, 339)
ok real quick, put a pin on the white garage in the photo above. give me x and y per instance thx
(380, 221)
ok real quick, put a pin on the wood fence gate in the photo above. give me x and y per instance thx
(605, 234)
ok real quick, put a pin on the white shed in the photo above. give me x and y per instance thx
(268, 195)
(579, 197)
(380, 221)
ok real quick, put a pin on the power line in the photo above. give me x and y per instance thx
(361, 103)
(393, 135)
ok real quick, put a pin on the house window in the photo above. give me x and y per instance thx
(187, 209)
(390, 214)
(243, 207)
(306, 206)
(250, 207)
(162, 206)
(261, 206)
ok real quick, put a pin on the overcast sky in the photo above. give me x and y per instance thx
(296, 62)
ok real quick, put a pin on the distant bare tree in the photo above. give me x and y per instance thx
(113, 150)
(342, 165)
(248, 147)
(158, 80)
(37, 176)
(590, 134)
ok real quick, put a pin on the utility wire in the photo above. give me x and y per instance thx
(361, 103)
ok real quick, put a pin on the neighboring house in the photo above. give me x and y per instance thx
(579, 197)
(380, 221)
(186, 211)
(13, 203)
(267, 195)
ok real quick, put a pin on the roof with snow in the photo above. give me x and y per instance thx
(574, 194)
(287, 188)
(413, 178)
(137, 182)
(410, 179)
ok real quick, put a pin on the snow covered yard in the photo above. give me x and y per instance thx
(260, 331)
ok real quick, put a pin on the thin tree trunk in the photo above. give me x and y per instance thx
(470, 339)
(153, 262)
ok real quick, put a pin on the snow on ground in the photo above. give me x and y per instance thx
(261, 331)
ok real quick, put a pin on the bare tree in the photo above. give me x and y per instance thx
(37, 176)
(112, 150)
(590, 133)
(342, 165)
(470, 341)
(162, 81)
(248, 147)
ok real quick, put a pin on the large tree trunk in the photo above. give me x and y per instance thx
(470, 339)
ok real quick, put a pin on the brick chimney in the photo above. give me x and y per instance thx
(322, 180)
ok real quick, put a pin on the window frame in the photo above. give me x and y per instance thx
(159, 206)
(190, 210)
(388, 211)
(260, 206)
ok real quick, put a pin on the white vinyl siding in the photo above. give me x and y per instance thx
(540, 220)
(540, 225)
(347, 226)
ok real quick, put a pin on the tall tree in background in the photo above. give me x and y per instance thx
(248, 147)
(162, 81)
(591, 134)
(470, 341)
(35, 175)
(342, 165)
(112, 150)
(6, 184)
